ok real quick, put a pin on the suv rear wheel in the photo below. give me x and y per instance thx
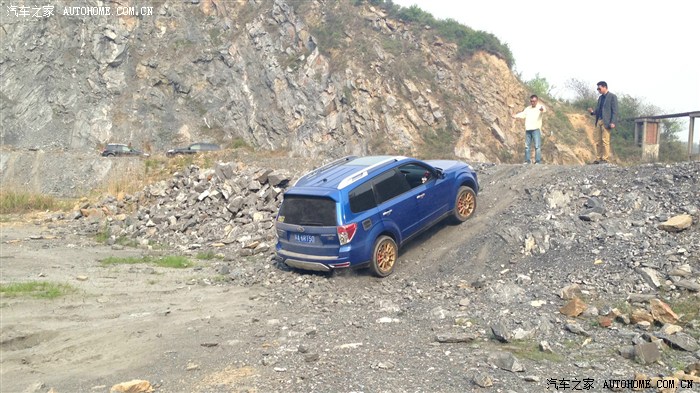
(465, 204)
(384, 256)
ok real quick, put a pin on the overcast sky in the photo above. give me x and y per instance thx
(649, 50)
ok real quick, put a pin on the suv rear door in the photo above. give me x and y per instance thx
(432, 193)
(307, 225)
(396, 202)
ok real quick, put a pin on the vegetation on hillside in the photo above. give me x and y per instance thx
(539, 86)
(468, 40)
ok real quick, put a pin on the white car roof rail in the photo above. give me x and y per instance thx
(318, 170)
(365, 171)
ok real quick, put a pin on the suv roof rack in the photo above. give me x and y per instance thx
(318, 170)
(365, 171)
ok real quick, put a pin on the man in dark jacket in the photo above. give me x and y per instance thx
(607, 113)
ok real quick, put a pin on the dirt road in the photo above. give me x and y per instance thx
(121, 319)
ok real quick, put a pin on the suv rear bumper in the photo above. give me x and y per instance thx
(315, 266)
(311, 262)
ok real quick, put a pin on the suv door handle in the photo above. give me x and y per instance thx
(420, 196)
(386, 213)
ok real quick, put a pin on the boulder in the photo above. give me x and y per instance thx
(573, 308)
(133, 386)
(677, 223)
(662, 312)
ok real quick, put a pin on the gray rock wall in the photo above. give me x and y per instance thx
(265, 72)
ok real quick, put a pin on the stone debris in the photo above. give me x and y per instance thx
(506, 361)
(224, 209)
(500, 332)
(677, 223)
(483, 380)
(455, 338)
(570, 292)
(647, 353)
(133, 386)
(681, 341)
(662, 312)
(573, 308)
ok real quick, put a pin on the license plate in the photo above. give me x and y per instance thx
(304, 238)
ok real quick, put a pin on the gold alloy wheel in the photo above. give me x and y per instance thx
(466, 203)
(386, 256)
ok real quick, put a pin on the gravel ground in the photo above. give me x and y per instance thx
(469, 306)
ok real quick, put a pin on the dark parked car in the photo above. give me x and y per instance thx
(117, 149)
(357, 212)
(193, 148)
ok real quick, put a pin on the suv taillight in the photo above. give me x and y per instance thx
(346, 233)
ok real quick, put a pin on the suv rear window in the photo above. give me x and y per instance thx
(362, 198)
(308, 211)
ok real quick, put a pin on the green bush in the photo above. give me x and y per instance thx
(539, 86)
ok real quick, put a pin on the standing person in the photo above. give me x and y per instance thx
(533, 124)
(606, 111)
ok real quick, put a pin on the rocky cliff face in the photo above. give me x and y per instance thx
(317, 78)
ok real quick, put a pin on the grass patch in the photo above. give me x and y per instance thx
(209, 255)
(126, 183)
(126, 242)
(240, 143)
(36, 289)
(220, 279)
(686, 308)
(531, 350)
(176, 262)
(14, 202)
(559, 123)
(623, 306)
(439, 143)
(103, 234)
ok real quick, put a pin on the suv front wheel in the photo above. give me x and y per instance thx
(384, 256)
(465, 204)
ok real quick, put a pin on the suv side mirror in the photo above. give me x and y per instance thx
(440, 173)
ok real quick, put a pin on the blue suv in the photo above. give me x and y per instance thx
(358, 211)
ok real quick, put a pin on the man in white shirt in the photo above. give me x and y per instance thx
(533, 123)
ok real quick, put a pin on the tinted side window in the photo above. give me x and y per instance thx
(416, 174)
(390, 184)
(307, 210)
(362, 198)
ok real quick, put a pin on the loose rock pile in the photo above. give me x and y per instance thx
(228, 210)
